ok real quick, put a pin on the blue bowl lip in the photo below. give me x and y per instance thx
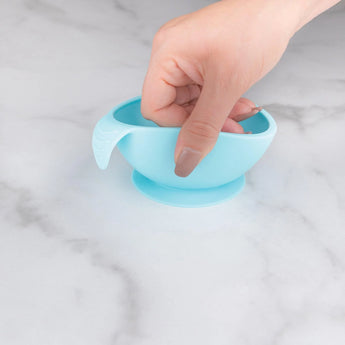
(269, 132)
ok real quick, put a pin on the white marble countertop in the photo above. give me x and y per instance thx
(86, 259)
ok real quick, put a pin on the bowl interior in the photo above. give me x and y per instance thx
(256, 124)
(130, 114)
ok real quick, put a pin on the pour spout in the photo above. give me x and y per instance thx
(107, 133)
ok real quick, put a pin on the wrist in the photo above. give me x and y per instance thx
(292, 15)
(309, 9)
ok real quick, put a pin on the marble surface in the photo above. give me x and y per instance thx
(85, 259)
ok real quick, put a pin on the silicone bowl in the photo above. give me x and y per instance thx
(150, 150)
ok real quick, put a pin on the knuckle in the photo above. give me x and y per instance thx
(146, 116)
(160, 37)
(144, 109)
(203, 129)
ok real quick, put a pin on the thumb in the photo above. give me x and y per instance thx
(200, 131)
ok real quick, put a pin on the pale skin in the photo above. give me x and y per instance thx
(203, 62)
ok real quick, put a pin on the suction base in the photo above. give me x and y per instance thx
(187, 197)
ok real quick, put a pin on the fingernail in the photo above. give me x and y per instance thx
(254, 111)
(257, 108)
(187, 161)
(241, 117)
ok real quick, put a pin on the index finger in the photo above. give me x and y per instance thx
(159, 93)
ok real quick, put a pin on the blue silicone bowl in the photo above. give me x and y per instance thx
(149, 148)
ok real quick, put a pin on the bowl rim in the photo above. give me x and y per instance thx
(270, 131)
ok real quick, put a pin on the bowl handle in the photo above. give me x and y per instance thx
(107, 133)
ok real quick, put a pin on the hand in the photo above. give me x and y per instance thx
(203, 62)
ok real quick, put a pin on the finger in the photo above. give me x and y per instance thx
(199, 133)
(186, 94)
(242, 106)
(242, 110)
(190, 106)
(157, 104)
(232, 126)
(242, 117)
(159, 93)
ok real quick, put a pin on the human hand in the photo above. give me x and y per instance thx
(203, 62)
